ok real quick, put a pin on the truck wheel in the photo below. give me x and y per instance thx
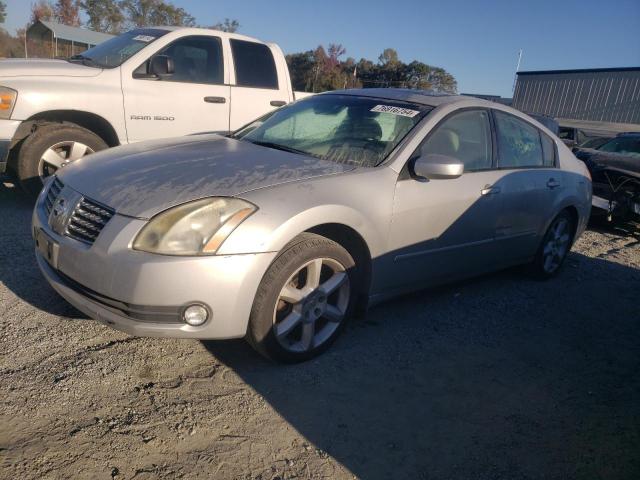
(303, 301)
(50, 147)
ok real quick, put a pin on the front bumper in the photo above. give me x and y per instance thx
(143, 294)
(7, 131)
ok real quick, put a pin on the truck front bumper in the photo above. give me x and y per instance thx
(7, 131)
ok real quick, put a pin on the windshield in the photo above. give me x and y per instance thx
(115, 51)
(625, 145)
(360, 131)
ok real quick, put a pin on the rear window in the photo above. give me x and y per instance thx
(254, 65)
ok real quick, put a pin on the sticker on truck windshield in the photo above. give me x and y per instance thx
(405, 112)
(144, 38)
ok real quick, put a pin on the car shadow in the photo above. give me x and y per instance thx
(462, 382)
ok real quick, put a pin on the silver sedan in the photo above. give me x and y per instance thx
(281, 231)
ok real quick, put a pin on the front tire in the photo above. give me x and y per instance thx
(303, 301)
(51, 147)
(555, 246)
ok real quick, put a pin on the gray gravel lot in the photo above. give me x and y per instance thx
(501, 377)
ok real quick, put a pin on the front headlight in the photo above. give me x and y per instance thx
(195, 228)
(7, 101)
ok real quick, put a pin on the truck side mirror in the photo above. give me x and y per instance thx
(161, 66)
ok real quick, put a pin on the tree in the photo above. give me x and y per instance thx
(145, 13)
(104, 15)
(11, 47)
(3, 11)
(389, 57)
(42, 10)
(301, 67)
(335, 51)
(319, 70)
(227, 26)
(67, 12)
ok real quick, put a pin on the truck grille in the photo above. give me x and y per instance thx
(54, 190)
(88, 220)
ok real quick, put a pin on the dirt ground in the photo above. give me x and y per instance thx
(501, 377)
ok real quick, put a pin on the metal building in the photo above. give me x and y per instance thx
(51, 39)
(602, 95)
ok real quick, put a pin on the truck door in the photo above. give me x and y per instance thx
(193, 98)
(259, 84)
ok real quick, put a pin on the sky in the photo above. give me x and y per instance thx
(476, 41)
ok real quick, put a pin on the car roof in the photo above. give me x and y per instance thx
(422, 97)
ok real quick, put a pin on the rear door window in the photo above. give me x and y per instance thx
(548, 151)
(519, 144)
(254, 65)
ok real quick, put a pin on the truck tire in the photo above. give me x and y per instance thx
(50, 147)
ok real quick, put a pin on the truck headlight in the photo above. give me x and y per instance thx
(195, 228)
(7, 102)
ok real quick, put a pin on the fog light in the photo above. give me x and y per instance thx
(195, 315)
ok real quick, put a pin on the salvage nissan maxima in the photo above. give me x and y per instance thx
(281, 231)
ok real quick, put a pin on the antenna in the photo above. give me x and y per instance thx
(515, 77)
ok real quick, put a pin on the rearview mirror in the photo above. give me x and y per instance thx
(434, 166)
(161, 66)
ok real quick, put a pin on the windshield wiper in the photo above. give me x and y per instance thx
(89, 62)
(277, 146)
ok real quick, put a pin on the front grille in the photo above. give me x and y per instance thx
(54, 190)
(88, 220)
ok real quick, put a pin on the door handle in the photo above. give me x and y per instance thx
(553, 183)
(215, 99)
(489, 190)
(277, 103)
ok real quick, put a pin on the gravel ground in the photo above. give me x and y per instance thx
(497, 378)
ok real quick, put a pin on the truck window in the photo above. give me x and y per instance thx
(196, 59)
(254, 64)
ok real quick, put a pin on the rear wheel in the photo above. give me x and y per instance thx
(555, 246)
(51, 147)
(303, 300)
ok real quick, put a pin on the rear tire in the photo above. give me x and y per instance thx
(304, 300)
(554, 248)
(50, 147)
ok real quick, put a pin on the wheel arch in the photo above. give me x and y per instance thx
(90, 121)
(575, 217)
(356, 245)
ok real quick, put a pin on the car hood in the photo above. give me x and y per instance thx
(596, 158)
(17, 67)
(143, 179)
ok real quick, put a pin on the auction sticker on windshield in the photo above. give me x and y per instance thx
(405, 112)
(144, 38)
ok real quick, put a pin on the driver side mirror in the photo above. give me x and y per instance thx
(161, 66)
(434, 166)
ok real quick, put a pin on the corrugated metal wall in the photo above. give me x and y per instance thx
(599, 96)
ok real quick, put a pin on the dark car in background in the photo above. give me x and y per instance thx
(615, 169)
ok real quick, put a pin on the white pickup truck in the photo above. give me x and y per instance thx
(147, 83)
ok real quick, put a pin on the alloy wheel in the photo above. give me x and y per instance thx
(311, 305)
(557, 245)
(59, 155)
